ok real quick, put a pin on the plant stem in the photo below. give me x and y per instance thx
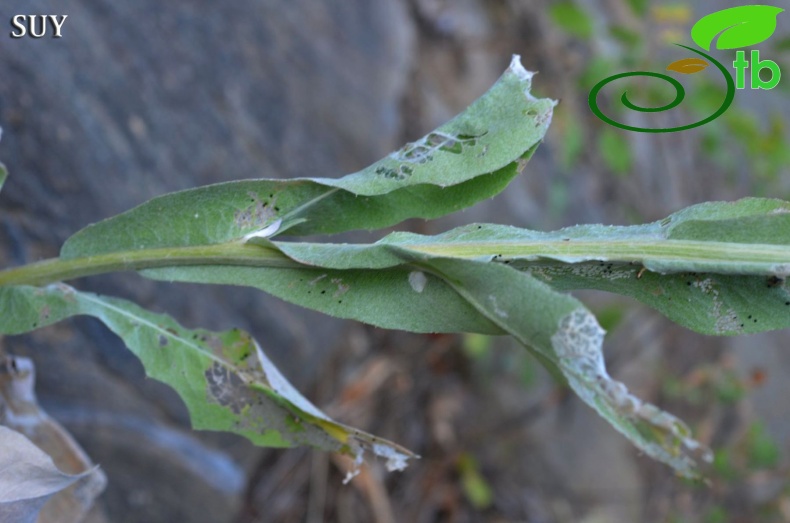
(673, 255)
(682, 255)
(57, 269)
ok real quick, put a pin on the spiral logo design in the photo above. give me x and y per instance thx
(680, 94)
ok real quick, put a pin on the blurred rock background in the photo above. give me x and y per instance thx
(141, 98)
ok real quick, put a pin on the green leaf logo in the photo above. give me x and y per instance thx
(742, 26)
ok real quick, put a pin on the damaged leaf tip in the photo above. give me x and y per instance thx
(579, 345)
(517, 68)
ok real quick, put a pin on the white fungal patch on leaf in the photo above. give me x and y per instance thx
(417, 280)
(258, 217)
(518, 69)
(316, 280)
(603, 270)
(726, 319)
(396, 456)
(342, 288)
(781, 270)
(499, 312)
(395, 460)
(525, 76)
(359, 458)
(539, 272)
(578, 343)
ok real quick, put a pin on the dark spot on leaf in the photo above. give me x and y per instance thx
(225, 387)
(44, 314)
(162, 340)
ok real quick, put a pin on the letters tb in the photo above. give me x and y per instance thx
(36, 25)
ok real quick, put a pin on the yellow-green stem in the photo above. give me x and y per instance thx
(720, 257)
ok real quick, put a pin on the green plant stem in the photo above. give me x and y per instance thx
(721, 257)
(718, 257)
(56, 269)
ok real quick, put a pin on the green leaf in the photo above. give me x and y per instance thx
(639, 7)
(225, 379)
(397, 297)
(469, 159)
(477, 490)
(627, 37)
(762, 450)
(571, 18)
(742, 26)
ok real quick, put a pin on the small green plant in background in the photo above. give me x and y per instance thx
(717, 268)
